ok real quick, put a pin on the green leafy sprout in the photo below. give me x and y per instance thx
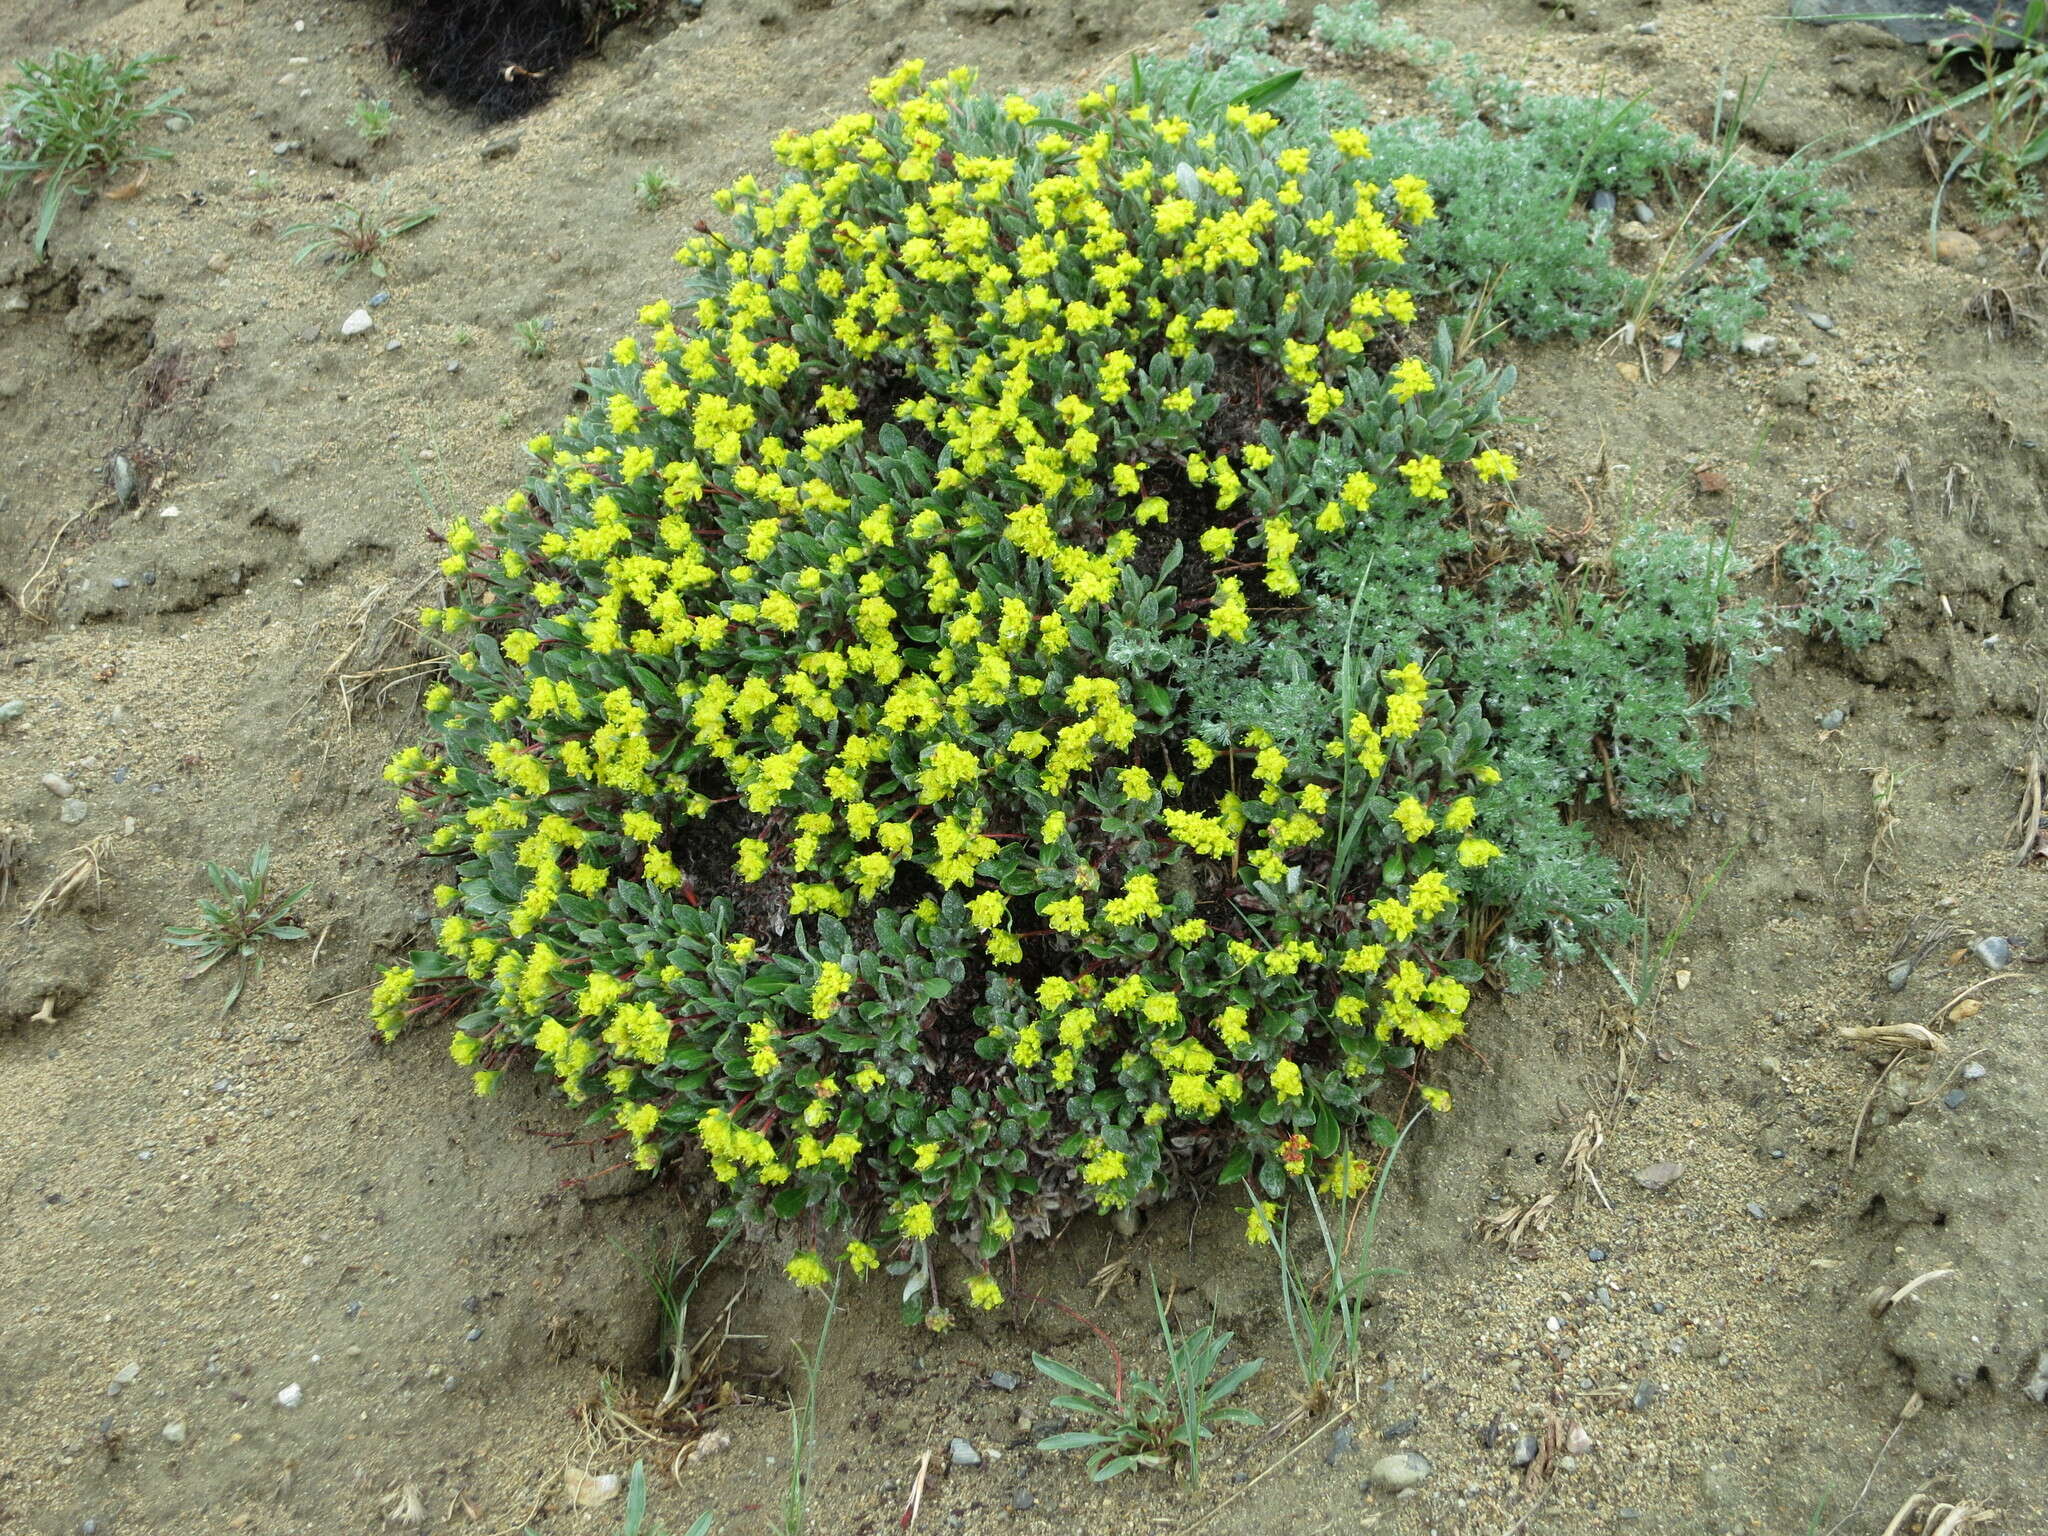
(1135, 1424)
(73, 118)
(371, 120)
(234, 926)
(351, 236)
(653, 188)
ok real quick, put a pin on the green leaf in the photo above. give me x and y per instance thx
(1270, 89)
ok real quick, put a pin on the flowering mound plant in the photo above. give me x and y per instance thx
(816, 777)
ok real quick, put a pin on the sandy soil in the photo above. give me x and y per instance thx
(198, 1210)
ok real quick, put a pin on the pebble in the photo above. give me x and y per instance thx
(1993, 951)
(13, 709)
(1953, 1099)
(710, 1445)
(57, 785)
(1401, 1427)
(1646, 1393)
(1820, 321)
(1757, 1211)
(1810, 360)
(1578, 1442)
(1526, 1447)
(1757, 344)
(1003, 1381)
(1646, 29)
(120, 583)
(2037, 1385)
(1597, 1255)
(393, 344)
(1603, 202)
(1897, 977)
(500, 147)
(962, 1453)
(1022, 1499)
(1832, 720)
(121, 473)
(73, 811)
(1402, 1469)
(1953, 248)
(1975, 1070)
(1340, 1446)
(124, 1377)
(473, 1335)
(357, 323)
(455, 367)
(379, 299)
(291, 1396)
(174, 1433)
(1644, 213)
(1659, 1176)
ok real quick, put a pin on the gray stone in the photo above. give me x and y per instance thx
(1820, 321)
(1833, 720)
(1003, 1381)
(1340, 1445)
(1756, 1211)
(1022, 1499)
(1897, 977)
(1645, 1394)
(1917, 21)
(124, 1377)
(1954, 1098)
(1526, 1449)
(57, 785)
(357, 323)
(504, 145)
(1659, 1176)
(174, 1434)
(1993, 951)
(1644, 213)
(962, 1453)
(13, 709)
(73, 811)
(1756, 344)
(1402, 1469)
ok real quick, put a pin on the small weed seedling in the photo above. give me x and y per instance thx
(235, 926)
(1137, 1424)
(803, 1426)
(636, 1509)
(533, 337)
(1326, 1318)
(352, 235)
(371, 120)
(73, 116)
(652, 190)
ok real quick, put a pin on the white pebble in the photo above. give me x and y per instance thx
(291, 1396)
(357, 323)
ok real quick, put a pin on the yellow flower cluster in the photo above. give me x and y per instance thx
(833, 571)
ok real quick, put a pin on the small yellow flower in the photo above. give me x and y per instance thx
(1258, 1224)
(808, 1272)
(983, 1291)
(918, 1222)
